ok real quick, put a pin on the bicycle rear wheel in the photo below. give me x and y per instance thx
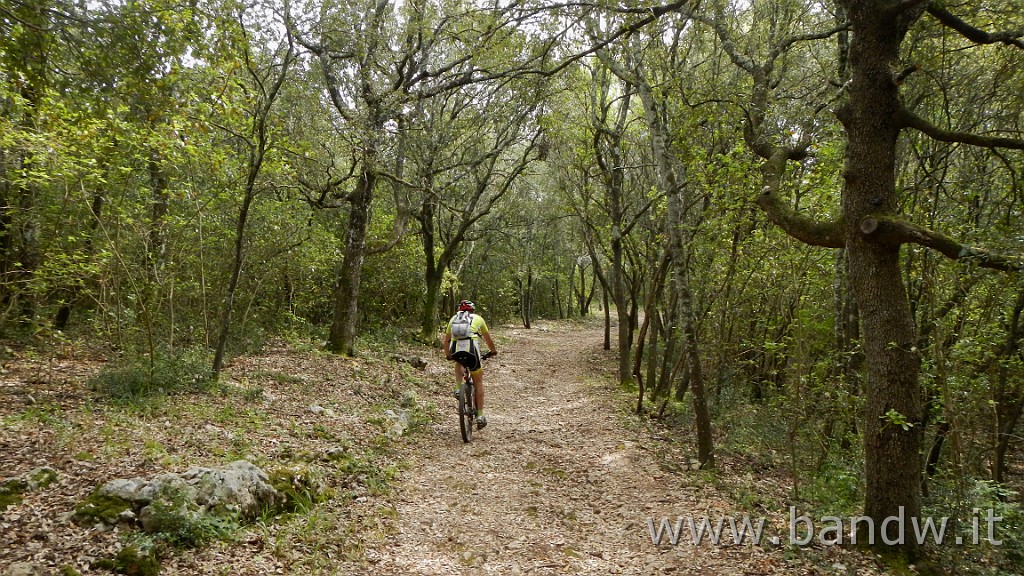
(467, 412)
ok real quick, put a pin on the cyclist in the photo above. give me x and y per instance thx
(461, 343)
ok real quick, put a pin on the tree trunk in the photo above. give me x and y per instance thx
(527, 299)
(1009, 400)
(1009, 414)
(593, 288)
(159, 185)
(433, 274)
(342, 337)
(256, 155)
(725, 318)
(570, 305)
(236, 272)
(26, 62)
(618, 282)
(672, 182)
(650, 331)
(431, 303)
(893, 432)
(583, 293)
(934, 399)
(607, 320)
(670, 359)
(608, 153)
(30, 254)
(558, 299)
(695, 376)
(651, 319)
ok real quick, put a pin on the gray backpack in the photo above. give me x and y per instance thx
(461, 325)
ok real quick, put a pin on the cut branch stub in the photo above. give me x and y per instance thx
(869, 226)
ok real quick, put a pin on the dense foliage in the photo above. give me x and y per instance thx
(194, 178)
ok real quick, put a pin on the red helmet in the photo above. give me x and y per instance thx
(467, 306)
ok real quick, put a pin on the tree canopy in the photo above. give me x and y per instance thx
(805, 209)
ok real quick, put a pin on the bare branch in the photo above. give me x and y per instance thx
(651, 14)
(787, 42)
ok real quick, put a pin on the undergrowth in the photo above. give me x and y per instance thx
(135, 379)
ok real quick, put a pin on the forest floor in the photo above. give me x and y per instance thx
(564, 480)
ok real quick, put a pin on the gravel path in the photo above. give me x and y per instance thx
(554, 485)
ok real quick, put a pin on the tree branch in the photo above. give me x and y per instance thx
(977, 35)
(908, 119)
(894, 232)
(651, 14)
(825, 234)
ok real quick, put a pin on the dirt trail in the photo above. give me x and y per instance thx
(554, 485)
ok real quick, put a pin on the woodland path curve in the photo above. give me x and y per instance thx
(556, 484)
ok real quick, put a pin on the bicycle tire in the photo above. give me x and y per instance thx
(467, 412)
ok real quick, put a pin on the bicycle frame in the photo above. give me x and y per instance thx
(467, 401)
(467, 405)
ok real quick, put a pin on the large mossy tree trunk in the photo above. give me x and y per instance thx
(872, 231)
(342, 337)
(433, 274)
(893, 434)
(872, 234)
(431, 303)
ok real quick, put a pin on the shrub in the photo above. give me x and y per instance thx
(138, 378)
(300, 488)
(132, 561)
(970, 503)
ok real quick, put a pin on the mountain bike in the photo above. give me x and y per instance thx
(467, 401)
